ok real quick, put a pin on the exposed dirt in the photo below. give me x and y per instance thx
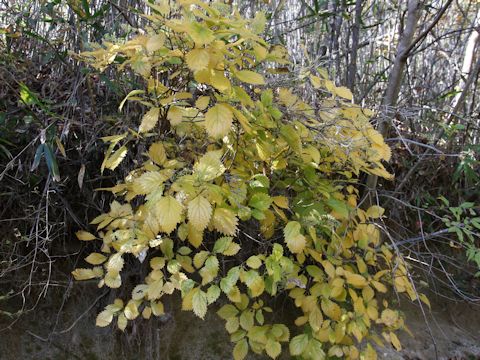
(43, 334)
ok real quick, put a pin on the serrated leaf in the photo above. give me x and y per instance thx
(247, 319)
(225, 221)
(175, 115)
(199, 33)
(197, 59)
(149, 120)
(131, 310)
(375, 212)
(222, 244)
(104, 318)
(155, 42)
(111, 162)
(148, 182)
(356, 280)
(213, 293)
(122, 322)
(395, 341)
(273, 348)
(157, 153)
(115, 263)
(199, 212)
(254, 262)
(95, 258)
(209, 166)
(85, 235)
(83, 274)
(260, 201)
(240, 350)
(227, 311)
(199, 304)
(250, 77)
(295, 240)
(169, 213)
(281, 202)
(343, 92)
(202, 102)
(218, 120)
(298, 344)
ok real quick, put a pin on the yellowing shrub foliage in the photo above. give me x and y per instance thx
(246, 191)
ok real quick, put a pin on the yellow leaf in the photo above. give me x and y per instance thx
(281, 202)
(273, 348)
(315, 319)
(157, 153)
(95, 258)
(218, 120)
(122, 322)
(197, 59)
(356, 280)
(375, 212)
(424, 299)
(395, 341)
(148, 182)
(104, 318)
(331, 309)
(175, 115)
(85, 235)
(117, 157)
(149, 120)
(199, 212)
(202, 102)
(295, 240)
(250, 77)
(254, 262)
(195, 237)
(344, 92)
(219, 81)
(115, 263)
(131, 310)
(157, 308)
(225, 221)
(155, 42)
(83, 274)
(169, 213)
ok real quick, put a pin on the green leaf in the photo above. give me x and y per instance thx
(290, 135)
(201, 34)
(227, 311)
(339, 207)
(213, 293)
(273, 348)
(260, 201)
(199, 302)
(240, 350)
(295, 240)
(222, 244)
(298, 344)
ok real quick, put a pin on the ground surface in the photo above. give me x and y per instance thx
(62, 328)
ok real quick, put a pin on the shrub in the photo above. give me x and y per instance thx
(246, 191)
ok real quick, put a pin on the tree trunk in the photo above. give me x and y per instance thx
(394, 82)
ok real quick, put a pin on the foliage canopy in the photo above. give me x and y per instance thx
(246, 191)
